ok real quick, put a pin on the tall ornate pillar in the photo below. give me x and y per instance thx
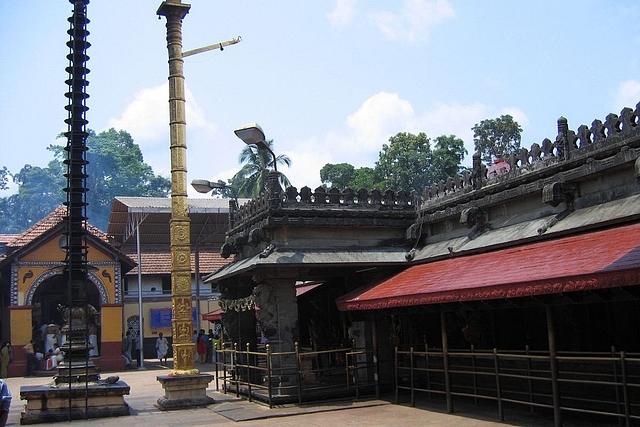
(184, 387)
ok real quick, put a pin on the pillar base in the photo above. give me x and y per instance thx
(184, 392)
(49, 404)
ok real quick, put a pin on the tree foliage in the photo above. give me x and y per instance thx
(337, 175)
(447, 157)
(251, 180)
(116, 168)
(4, 178)
(407, 163)
(497, 138)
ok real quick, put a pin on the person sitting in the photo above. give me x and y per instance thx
(54, 357)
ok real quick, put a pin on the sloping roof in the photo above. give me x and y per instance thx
(208, 220)
(158, 261)
(4, 238)
(316, 257)
(594, 260)
(55, 218)
(52, 223)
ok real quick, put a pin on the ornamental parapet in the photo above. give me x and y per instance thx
(320, 202)
(569, 149)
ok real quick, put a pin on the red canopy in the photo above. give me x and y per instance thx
(593, 260)
(213, 316)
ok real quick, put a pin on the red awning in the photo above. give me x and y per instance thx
(306, 287)
(595, 260)
(213, 316)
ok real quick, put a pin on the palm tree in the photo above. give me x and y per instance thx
(257, 166)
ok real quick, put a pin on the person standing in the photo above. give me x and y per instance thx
(6, 356)
(5, 402)
(137, 343)
(201, 347)
(210, 346)
(126, 349)
(32, 362)
(162, 347)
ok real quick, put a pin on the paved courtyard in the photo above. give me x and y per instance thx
(231, 411)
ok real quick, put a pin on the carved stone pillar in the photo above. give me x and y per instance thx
(278, 319)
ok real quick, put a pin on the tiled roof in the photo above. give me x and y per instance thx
(52, 220)
(4, 238)
(159, 262)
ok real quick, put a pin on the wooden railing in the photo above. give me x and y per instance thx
(300, 375)
(603, 384)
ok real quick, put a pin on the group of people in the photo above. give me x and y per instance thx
(206, 345)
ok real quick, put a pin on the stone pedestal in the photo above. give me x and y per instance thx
(50, 403)
(183, 392)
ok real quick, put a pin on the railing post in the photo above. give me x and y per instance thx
(625, 389)
(615, 380)
(496, 364)
(248, 372)
(269, 388)
(411, 369)
(299, 372)
(475, 377)
(557, 413)
(236, 374)
(445, 360)
(426, 356)
(395, 375)
(526, 351)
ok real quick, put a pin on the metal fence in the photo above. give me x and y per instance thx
(297, 376)
(604, 384)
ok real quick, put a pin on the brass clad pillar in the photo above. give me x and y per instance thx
(183, 348)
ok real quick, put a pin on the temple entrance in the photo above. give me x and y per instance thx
(48, 320)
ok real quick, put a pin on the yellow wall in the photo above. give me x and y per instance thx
(20, 327)
(50, 251)
(111, 323)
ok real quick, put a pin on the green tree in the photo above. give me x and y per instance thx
(447, 157)
(366, 178)
(405, 163)
(252, 177)
(337, 175)
(40, 190)
(497, 138)
(4, 178)
(116, 168)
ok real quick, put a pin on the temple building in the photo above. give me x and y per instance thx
(535, 254)
(34, 288)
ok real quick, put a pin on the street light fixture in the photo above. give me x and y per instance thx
(252, 134)
(204, 186)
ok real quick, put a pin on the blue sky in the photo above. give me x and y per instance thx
(329, 81)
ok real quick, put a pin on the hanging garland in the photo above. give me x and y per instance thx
(241, 304)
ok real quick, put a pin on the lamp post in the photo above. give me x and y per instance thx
(252, 134)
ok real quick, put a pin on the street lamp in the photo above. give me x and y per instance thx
(252, 134)
(204, 186)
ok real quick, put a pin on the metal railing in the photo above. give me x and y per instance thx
(603, 384)
(299, 375)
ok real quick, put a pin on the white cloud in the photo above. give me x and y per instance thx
(146, 118)
(343, 13)
(379, 117)
(414, 20)
(628, 95)
(385, 114)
